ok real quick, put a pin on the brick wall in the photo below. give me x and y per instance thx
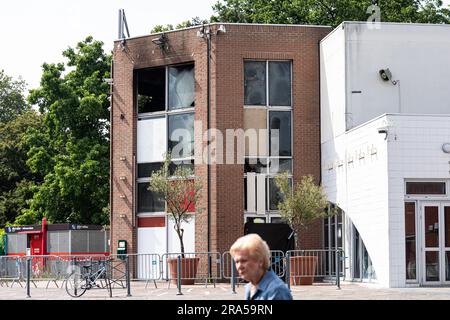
(299, 44)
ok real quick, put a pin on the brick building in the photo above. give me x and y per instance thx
(256, 77)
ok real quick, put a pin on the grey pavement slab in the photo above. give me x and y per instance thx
(222, 291)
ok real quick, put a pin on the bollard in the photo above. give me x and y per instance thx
(28, 276)
(288, 273)
(338, 269)
(179, 276)
(233, 277)
(127, 267)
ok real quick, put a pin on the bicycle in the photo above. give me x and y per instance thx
(77, 283)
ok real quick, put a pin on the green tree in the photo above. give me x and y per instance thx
(185, 24)
(328, 12)
(180, 190)
(303, 203)
(12, 100)
(72, 152)
(17, 181)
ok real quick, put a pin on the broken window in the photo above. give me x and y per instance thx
(280, 83)
(151, 90)
(255, 83)
(181, 87)
(181, 135)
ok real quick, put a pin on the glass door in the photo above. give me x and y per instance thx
(436, 243)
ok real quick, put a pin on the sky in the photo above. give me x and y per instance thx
(38, 31)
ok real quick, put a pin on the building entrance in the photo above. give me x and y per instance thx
(435, 255)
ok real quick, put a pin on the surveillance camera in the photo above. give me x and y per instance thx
(383, 130)
(385, 74)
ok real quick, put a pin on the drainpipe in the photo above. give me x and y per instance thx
(111, 159)
(208, 124)
(44, 236)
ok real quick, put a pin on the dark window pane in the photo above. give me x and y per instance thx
(149, 201)
(280, 83)
(181, 87)
(256, 219)
(431, 227)
(432, 265)
(281, 144)
(425, 188)
(187, 164)
(255, 165)
(447, 226)
(277, 220)
(245, 193)
(280, 165)
(410, 240)
(275, 195)
(181, 135)
(255, 83)
(145, 170)
(151, 92)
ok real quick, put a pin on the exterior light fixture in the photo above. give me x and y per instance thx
(446, 147)
(122, 178)
(123, 158)
(122, 196)
(122, 215)
(161, 41)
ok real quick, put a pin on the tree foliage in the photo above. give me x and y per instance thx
(328, 12)
(180, 190)
(17, 181)
(303, 203)
(12, 100)
(185, 24)
(72, 150)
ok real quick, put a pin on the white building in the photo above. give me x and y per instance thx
(386, 149)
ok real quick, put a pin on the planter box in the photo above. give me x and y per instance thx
(302, 270)
(188, 270)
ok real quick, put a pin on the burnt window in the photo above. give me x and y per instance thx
(149, 201)
(145, 170)
(425, 188)
(255, 83)
(151, 90)
(181, 87)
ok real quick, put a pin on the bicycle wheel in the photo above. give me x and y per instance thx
(76, 285)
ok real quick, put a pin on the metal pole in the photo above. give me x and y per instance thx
(338, 269)
(28, 276)
(288, 274)
(233, 277)
(127, 266)
(179, 276)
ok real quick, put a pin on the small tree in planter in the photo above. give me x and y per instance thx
(301, 205)
(181, 191)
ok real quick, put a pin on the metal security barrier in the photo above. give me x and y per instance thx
(304, 267)
(277, 263)
(189, 268)
(10, 271)
(146, 267)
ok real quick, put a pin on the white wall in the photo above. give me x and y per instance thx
(415, 152)
(150, 241)
(418, 55)
(354, 175)
(332, 88)
(188, 238)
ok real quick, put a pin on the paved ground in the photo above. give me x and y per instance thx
(349, 291)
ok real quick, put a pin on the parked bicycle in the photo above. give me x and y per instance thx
(84, 279)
